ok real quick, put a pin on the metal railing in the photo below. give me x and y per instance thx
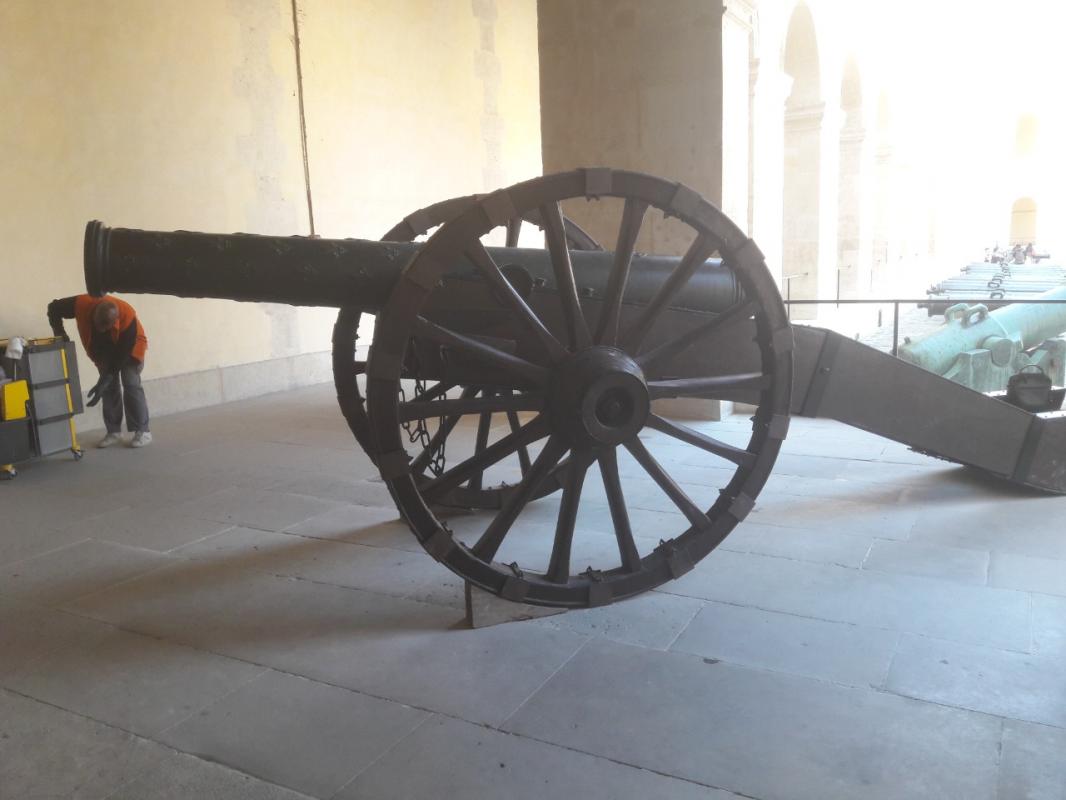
(896, 302)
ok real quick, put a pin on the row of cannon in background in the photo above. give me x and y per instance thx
(1000, 283)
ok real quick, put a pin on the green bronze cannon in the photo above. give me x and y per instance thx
(982, 349)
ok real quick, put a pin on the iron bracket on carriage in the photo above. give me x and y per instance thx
(559, 355)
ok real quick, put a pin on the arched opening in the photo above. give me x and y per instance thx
(849, 222)
(1023, 221)
(804, 110)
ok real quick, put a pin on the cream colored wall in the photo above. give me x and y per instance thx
(185, 114)
(165, 114)
(410, 102)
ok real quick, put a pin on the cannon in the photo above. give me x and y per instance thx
(561, 354)
(982, 349)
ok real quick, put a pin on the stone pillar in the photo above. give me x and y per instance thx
(881, 221)
(736, 113)
(850, 263)
(803, 188)
(770, 89)
(828, 207)
(631, 85)
(625, 84)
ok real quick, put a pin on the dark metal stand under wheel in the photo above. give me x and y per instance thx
(347, 367)
(584, 375)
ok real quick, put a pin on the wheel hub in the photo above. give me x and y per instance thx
(598, 397)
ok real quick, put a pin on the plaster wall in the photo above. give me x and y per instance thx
(186, 114)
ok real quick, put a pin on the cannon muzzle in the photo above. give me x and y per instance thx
(296, 270)
(305, 271)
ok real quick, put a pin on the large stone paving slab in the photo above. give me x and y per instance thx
(929, 561)
(978, 615)
(479, 675)
(28, 632)
(388, 647)
(253, 508)
(819, 546)
(251, 615)
(1017, 685)
(375, 569)
(1049, 626)
(378, 527)
(295, 732)
(150, 529)
(856, 517)
(133, 682)
(653, 619)
(760, 734)
(1033, 764)
(178, 775)
(46, 752)
(30, 539)
(79, 569)
(832, 651)
(1022, 525)
(454, 759)
(1043, 575)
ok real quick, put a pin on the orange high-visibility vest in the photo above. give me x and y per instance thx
(85, 305)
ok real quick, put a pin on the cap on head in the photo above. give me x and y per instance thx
(105, 315)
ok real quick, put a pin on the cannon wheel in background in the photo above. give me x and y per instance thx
(594, 385)
(347, 368)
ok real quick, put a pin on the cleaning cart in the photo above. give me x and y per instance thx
(38, 403)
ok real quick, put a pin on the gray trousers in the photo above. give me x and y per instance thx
(130, 396)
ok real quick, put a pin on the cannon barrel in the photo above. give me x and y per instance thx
(971, 327)
(306, 271)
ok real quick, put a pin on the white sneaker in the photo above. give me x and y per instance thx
(110, 439)
(141, 439)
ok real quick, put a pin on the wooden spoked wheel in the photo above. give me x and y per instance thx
(347, 367)
(590, 383)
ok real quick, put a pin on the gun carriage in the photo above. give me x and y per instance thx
(571, 345)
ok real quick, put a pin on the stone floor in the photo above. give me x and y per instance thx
(235, 612)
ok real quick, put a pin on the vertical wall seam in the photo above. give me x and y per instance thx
(303, 117)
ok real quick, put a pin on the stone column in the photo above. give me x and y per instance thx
(771, 88)
(625, 84)
(631, 85)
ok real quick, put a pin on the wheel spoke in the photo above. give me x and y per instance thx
(441, 388)
(416, 409)
(742, 458)
(709, 386)
(535, 429)
(498, 281)
(666, 483)
(523, 451)
(681, 343)
(421, 461)
(555, 235)
(697, 254)
(492, 538)
(514, 229)
(559, 565)
(627, 548)
(628, 230)
(480, 443)
(476, 349)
